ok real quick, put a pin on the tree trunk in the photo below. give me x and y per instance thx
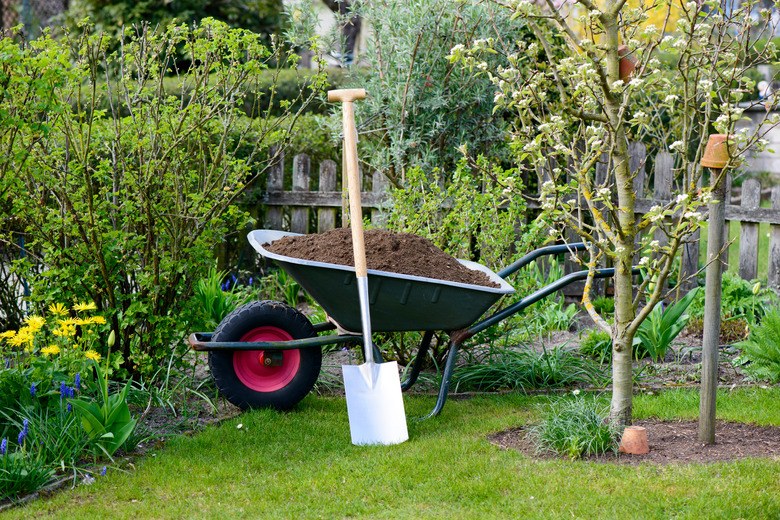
(623, 334)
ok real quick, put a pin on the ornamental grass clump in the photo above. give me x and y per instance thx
(575, 428)
(523, 368)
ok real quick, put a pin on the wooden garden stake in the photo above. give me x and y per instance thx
(716, 157)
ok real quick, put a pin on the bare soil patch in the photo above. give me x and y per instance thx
(401, 253)
(675, 442)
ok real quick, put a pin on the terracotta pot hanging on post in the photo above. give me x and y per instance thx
(717, 152)
(627, 64)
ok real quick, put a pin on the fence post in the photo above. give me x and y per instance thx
(689, 262)
(773, 266)
(601, 179)
(662, 187)
(724, 258)
(748, 240)
(379, 187)
(299, 222)
(326, 217)
(275, 182)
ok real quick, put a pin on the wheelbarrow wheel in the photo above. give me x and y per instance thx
(248, 378)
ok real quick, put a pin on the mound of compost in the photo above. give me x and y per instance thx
(401, 253)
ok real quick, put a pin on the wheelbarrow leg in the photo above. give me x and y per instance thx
(449, 367)
(422, 352)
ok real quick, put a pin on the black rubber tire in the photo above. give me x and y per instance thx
(242, 321)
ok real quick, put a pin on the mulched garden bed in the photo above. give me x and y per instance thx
(400, 253)
(674, 442)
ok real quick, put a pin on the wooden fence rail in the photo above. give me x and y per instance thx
(305, 205)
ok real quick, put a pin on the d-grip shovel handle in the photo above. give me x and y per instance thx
(347, 96)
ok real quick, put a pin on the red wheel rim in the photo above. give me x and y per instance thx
(249, 366)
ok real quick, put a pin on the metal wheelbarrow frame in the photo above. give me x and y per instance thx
(267, 354)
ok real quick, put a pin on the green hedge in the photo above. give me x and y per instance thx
(290, 83)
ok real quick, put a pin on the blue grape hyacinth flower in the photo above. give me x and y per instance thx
(23, 433)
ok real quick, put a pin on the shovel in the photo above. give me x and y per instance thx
(374, 402)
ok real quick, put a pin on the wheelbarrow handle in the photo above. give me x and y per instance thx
(536, 253)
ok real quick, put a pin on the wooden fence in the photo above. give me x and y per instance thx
(297, 208)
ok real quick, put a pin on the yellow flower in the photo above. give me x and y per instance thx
(83, 306)
(82, 321)
(8, 334)
(99, 320)
(35, 323)
(23, 337)
(91, 354)
(51, 349)
(58, 309)
(68, 322)
(65, 330)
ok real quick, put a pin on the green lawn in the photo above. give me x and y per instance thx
(302, 465)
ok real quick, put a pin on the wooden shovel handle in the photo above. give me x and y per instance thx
(348, 94)
(353, 183)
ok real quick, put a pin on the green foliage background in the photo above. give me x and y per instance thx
(122, 190)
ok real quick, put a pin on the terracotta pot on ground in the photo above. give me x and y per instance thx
(634, 441)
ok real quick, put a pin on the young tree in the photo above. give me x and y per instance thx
(575, 118)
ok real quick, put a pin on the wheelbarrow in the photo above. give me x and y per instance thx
(267, 354)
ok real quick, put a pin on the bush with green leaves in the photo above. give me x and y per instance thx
(124, 206)
(421, 109)
(264, 17)
(476, 220)
(760, 356)
(575, 427)
(739, 298)
(596, 344)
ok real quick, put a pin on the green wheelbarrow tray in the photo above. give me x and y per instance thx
(398, 302)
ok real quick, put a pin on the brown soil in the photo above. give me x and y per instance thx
(675, 443)
(401, 253)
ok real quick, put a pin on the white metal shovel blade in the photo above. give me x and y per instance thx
(374, 403)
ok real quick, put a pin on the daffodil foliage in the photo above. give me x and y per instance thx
(622, 79)
(122, 190)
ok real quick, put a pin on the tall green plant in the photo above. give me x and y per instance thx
(108, 423)
(214, 299)
(123, 206)
(657, 332)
